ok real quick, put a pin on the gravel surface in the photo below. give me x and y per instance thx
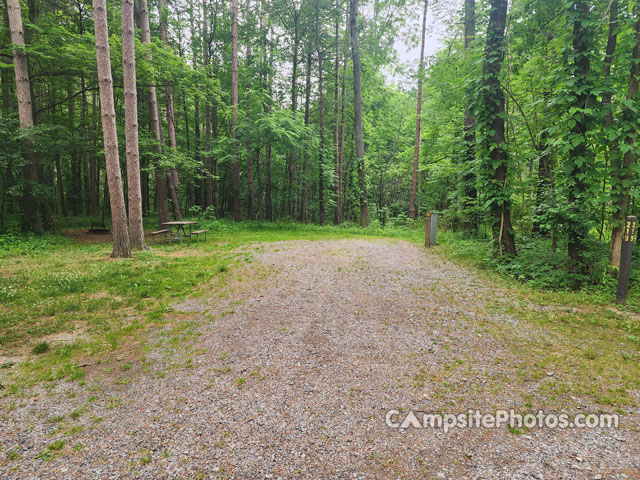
(291, 374)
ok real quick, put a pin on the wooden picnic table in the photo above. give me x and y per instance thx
(180, 232)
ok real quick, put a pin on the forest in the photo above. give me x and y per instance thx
(520, 129)
(311, 323)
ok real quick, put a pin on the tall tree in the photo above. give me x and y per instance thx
(237, 213)
(30, 204)
(121, 247)
(142, 14)
(581, 162)
(496, 161)
(625, 156)
(416, 147)
(173, 178)
(134, 190)
(469, 148)
(250, 193)
(336, 120)
(357, 110)
(320, 54)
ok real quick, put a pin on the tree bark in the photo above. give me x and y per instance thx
(30, 204)
(74, 193)
(343, 121)
(173, 178)
(237, 214)
(336, 117)
(136, 228)
(142, 14)
(416, 146)
(623, 171)
(121, 247)
(250, 197)
(303, 200)
(63, 204)
(357, 109)
(469, 153)
(577, 227)
(494, 106)
(320, 54)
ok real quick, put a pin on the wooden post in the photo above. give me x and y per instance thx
(630, 227)
(427, 232)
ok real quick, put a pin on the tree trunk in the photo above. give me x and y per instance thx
(580, 159)
(30, 204)
(320, 53)
(357, 109)
(142, 14)
(94, 172)
(494, 106)
(121, 247)
(237, 214)
(416, 146)
(63, 204)
(304, 196)
(216, 182)
(250, 199)
(173, 178)
(267, 153)
(343, 121)
(336, 117)
(136, 228)
(624, 172)
(74, 193)
(469, 152)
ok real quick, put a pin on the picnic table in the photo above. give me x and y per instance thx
(179, 231)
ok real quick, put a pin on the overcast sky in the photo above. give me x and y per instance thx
(439, 19)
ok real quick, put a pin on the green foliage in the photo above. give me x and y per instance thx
(42, 347)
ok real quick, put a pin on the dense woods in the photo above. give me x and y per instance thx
(521, 128)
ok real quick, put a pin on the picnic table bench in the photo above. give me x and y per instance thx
(164, 231)
(198, 232)
(178, 232)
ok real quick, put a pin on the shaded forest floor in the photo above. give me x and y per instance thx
(269, 354)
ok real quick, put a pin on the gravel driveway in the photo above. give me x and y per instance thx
(291, 374)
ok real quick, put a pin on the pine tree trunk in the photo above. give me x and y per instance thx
(74, 194)
(30, 205)
(303, 205)
(416, 146)
(357, 109)
(94, 171)
(142, 16)
(63, 204)
(173, 180)
(343, 121)
(250, 198)
(136, 228)
(216, 182)
(320, 54)
(336, 116)
(237, 214)
(121, 247)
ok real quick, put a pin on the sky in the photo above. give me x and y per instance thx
(408, 43)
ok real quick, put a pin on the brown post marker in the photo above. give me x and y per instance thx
(630, 227)
(427, 231)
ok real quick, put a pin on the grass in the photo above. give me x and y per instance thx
(61, 302)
